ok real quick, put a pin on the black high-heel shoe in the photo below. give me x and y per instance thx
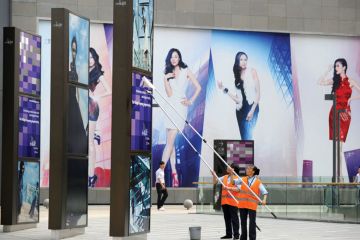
(89, 181)
(97, 138)
(94, 180)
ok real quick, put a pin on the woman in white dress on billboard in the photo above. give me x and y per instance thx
(176, 79)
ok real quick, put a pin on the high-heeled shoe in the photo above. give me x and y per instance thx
(175, 180)
(92, 181)
(97, 138)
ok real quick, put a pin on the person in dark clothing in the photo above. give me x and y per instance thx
(160, 187)
(228, 203)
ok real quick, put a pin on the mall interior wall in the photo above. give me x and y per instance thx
(341, 17)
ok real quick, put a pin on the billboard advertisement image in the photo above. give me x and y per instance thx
(141, 104)
(276, 101)
(78, 49)
(142, 34)
(29, 128)
(140, 194)
(30, 64)
(28, 192)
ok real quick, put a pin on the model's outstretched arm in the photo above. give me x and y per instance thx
(167, 78)
(324, 80)
(234, 97)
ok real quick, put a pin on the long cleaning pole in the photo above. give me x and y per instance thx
(192, 146)
(150, 85)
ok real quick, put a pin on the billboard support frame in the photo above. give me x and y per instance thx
(10, 135)
(121, 151)
(60, 156)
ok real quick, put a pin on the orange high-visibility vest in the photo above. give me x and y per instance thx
(247, 199)
(226, 198)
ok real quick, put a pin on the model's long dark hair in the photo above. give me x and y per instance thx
(95, 56)
(256, 170)
(169, 68)
(73, 40)
(239, 83)
(336, 77)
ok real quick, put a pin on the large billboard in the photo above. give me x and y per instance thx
(289, 117)
(258, 86)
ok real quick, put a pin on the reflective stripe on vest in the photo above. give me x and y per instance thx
(226, 198)
(247, 199)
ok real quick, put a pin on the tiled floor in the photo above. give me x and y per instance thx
(173, 224)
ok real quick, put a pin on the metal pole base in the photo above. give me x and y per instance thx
(136, 237)
(18, 227)
(66, 233)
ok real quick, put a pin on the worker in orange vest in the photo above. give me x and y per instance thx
(228, 204)
(247, 201)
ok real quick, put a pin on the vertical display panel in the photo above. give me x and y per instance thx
(131, 128)
(78, 49)
(141, 103)
(143, 11)
(77, 130)
(28, 192)
(21, 128)
(69, 120)
(240, 152)
(76, 202)
(140, 194)
(29, 128)
(30, 64)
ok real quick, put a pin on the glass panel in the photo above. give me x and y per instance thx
(295, 198)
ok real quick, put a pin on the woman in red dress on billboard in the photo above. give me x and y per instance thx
(342, 87)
